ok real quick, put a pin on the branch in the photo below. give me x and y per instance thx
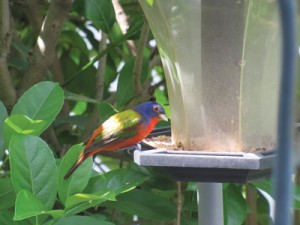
(145, 95)
(32, 12)
(101, 69)
(31, 9)
(49, 136)
(44, 50)
(137, 70)
(8, 93)
(154, 62)
(95, 117)
(122, 20)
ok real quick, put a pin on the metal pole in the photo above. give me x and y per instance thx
(284, 165)
(210, 204)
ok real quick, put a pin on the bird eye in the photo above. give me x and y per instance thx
(155, 108)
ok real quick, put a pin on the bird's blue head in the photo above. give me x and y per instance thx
(151, 110)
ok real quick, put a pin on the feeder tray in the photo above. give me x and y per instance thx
(201, 166)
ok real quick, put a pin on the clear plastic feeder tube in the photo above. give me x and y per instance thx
(221, 60)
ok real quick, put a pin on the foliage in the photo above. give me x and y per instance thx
(67, 85)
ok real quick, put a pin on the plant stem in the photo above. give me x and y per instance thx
(101, 70)
(137, 70)
(252, 204)
(122, 20)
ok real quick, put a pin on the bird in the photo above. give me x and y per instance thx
(122, 130)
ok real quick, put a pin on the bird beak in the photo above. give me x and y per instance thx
(163, 117)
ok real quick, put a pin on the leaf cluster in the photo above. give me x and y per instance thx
(33, 190)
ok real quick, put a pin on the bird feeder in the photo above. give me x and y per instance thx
(221, 61)
(222, 66)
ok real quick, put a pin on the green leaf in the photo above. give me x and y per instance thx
(7, 194)
(265, 185)
(21, 124)
(17, 63)
(144, 204)
(33, 168)
(3, 115)
(118, 181)
(73, 39)
(101, 13)
(125, 88)
(43, 102)
(78, 121)
(135, 28)
(80, 202)
(75, 97)
(80, 220)
(6, 218)
(75, 55)
(106, 110)
(21, 48)
(163, 100)
(79, 179)
(79, 198)
(150, 2)
(27, 205)
(263, 209)
(79, 108)
(234, 205)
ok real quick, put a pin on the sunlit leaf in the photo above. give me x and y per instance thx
(42, 102)
(150, 2)
(81, 201)
(80, 198)
(21, 124)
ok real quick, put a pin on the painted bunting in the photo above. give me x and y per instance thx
(122, 130)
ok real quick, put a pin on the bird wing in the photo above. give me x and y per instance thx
(115, 130)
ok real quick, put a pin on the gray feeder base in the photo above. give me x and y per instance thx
(199, 166)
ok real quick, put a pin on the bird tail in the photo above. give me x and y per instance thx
(75, 165)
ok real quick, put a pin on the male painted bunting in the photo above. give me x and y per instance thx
(122, 130)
